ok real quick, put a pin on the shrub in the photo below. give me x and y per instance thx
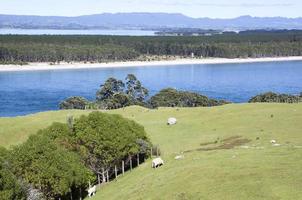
(172, 98)
(10, 187)
(271, 97)
(74, 103)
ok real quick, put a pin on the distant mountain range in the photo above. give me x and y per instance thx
(154, 21)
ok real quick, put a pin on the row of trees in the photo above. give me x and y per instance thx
(115, 94)
(172, 98)
(45, 48)
(271, 97)
(60, 161)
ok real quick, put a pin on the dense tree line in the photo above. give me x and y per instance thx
(172, 98)
(45, 48)
(60, 162)
(114, 94)
(271, 97)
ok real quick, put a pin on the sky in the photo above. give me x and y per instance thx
(192, 8)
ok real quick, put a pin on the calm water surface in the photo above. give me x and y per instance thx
(30, 92)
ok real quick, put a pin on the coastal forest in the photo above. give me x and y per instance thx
(21, 49)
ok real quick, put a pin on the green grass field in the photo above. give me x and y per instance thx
(230, 169)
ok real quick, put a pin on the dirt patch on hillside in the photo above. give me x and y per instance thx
(208, 143)
(228, 143)
(231, 138)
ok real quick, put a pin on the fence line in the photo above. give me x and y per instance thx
(105, 173)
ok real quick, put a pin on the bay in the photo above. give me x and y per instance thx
(27, 92)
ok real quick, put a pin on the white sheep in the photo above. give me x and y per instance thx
(157, 162)
(273, 141)
(178, 157)
(172, 121)
(92, 191)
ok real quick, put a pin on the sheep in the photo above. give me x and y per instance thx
(273, 141)
(172, 121)
(91, 191)
(179, 157)
(157, 162)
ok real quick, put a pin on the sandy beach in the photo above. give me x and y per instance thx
(61, 66)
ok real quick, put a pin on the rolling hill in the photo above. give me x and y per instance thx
(227, 151)
(146, 21)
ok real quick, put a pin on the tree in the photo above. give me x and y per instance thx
(10, 187)
(49, 167)
(136, 92)
(60, 160)
(270, 97)
(112, 94)
(74, 103)
(103, 140)
(111, 87)
(172, 98)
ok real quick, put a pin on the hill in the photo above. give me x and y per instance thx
(146, 21)
(227, 151)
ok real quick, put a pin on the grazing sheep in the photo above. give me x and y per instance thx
(172, 121)
(157, 162)
(273, 141)
(92, 191)
(179, 157)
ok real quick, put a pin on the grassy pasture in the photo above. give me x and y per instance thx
(228, 154)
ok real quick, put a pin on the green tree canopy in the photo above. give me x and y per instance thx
(111, 87)
(172, 98)
(49, 167)
(136, 92)
(74, 103)
(105, 139)
(115, 93)
(271, 97)
(10, 187)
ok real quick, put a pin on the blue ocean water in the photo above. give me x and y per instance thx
(28, 92)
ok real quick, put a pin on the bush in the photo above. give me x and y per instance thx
(271, 97)
(172, 98)
(74, 103)
(10, 187)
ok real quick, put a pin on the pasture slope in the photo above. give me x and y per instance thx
(227, 152)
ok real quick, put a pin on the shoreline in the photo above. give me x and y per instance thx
(185, 61)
